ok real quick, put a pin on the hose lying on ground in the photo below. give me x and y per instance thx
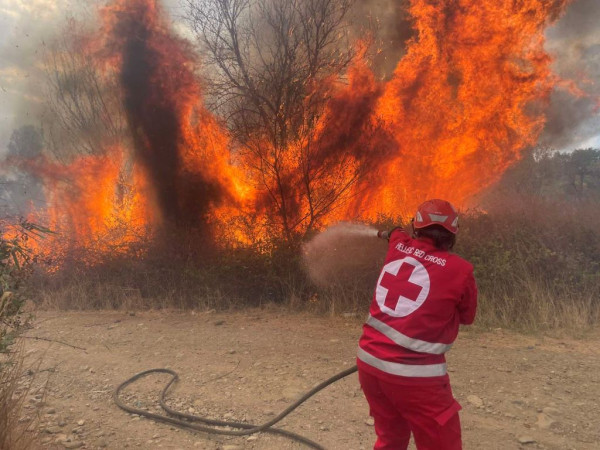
(245, 428)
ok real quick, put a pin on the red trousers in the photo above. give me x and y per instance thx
(429, 412)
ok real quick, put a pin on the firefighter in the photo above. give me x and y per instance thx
(423, 293)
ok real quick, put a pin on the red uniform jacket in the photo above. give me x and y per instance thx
(422, 296)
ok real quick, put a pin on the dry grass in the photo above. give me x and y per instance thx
(13, 431)
(85, 294)
(539, 307)
(537, 265)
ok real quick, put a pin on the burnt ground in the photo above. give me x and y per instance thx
(249, 365)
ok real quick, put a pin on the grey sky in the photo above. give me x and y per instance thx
(575, 43)
(23, 24)
(24, 27)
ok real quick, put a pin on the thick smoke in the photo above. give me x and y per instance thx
(26, 28)
(575, 43)
(389, 24)
(159, 85)
(21, 32)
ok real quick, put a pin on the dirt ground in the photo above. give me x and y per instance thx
(516, 391)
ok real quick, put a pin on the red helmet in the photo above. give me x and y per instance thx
(437, 212)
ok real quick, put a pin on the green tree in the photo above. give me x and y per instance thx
(582, 170)
(551, 174)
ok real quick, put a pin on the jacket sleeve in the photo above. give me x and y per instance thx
(396, 234)
(467, 307)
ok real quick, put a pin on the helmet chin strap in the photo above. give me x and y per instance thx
(412, 226)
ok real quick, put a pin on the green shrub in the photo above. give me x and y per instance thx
(537, 262)
(15, 268)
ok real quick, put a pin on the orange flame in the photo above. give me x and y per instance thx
(462, 105)
(464, 102)
(92, 207)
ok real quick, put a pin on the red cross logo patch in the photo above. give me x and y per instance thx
(403, 287)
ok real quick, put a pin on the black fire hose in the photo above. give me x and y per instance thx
(245, 428)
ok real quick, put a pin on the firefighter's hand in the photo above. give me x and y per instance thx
(383, 234)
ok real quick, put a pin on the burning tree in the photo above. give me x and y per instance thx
(319, 151)
(278, 87)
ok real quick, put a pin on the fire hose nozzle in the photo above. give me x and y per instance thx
(383, 234)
